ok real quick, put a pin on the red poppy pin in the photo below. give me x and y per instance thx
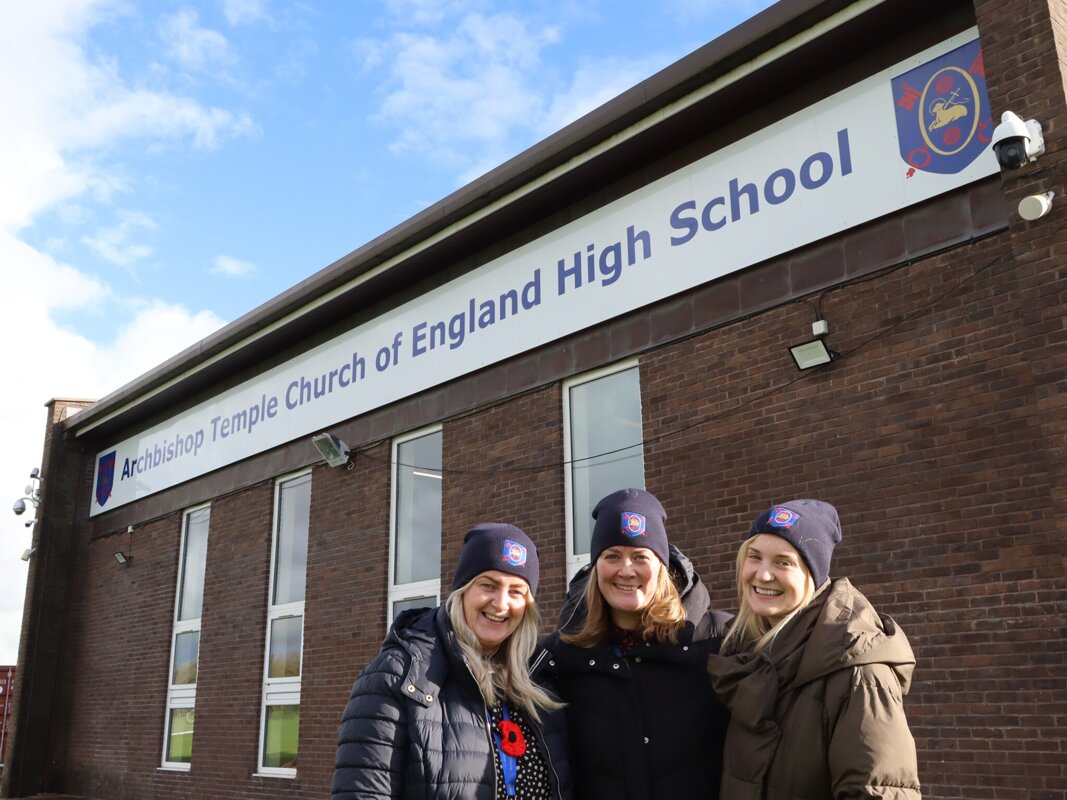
(512, 742)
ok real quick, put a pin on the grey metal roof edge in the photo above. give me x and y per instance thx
(756, 35)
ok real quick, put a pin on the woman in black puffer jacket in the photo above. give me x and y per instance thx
(450, 708)
(630, 661)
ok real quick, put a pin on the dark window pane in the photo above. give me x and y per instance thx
(413, 602)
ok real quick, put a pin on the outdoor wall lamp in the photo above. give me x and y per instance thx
(332, 449)
(123, 557)
(814, 352)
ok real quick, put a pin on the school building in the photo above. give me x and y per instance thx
(614, 307)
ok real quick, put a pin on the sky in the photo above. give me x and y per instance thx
(167, 167)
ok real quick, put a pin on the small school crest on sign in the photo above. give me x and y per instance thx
(782, 517)
(633, 524)
(942, 112)
(514, 553)
(105, 477)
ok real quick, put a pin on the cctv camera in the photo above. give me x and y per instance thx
(19, 507)
(35, 472)
(1016, 142)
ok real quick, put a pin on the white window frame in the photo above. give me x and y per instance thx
(279, 691)
(182, 695)
(430, 588)
(575, 561)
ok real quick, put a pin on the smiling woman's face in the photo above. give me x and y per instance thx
(493, 607)
(774, 577)
(626, 577)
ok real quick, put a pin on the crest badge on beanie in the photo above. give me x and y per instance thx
(811, 526)
(629, 518)
(497, 546)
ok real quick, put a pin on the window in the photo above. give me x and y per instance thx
(415, 541)
(602, 437)
(280, 726)
(185, 640)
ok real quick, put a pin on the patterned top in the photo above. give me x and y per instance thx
(622, 640)
(531, 779)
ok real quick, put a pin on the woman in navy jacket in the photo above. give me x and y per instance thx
(451, 707)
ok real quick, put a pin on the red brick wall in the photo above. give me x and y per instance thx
(930, 441)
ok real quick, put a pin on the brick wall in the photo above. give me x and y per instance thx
(940, 436)
(931, 436)
(931, 442)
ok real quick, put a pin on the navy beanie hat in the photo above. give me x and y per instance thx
(497, 545)
(811, 526)
(631, 518)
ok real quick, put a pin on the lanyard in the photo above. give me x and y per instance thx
(509, 764)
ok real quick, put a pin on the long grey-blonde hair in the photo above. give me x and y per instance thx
(749, 630)
(505, 674)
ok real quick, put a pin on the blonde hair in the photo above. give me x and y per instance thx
(749, 630)
(505, 674)
(661, 619)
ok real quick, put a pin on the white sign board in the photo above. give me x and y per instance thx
(830, 167)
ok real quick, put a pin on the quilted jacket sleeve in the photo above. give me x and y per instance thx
(872, 752)
(372, 742)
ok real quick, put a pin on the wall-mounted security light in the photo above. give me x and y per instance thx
(813, 353)
(121, 557)
(332, 449)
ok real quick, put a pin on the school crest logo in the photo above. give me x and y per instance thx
(942, 111)
(514, 553)
(105, 477)
(782, 517)
(633, 524)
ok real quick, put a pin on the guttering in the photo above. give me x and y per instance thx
(746, 34)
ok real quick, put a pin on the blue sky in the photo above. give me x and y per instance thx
(166, 167)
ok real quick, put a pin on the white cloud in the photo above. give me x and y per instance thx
(467, 92)
(192, 46)
(69, 106)
(49, 361)
(68, 114)
(234, 267)
(594, 84)
(115, 244)
(428, 12)
(244, 12)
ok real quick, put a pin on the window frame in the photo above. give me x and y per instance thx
(182, 695)
(575, 561)
(431, 587)
(283, 691)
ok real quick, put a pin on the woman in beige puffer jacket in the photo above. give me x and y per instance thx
(813, 676)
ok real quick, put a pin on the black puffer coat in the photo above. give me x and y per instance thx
(415, 727)
(646, 725)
